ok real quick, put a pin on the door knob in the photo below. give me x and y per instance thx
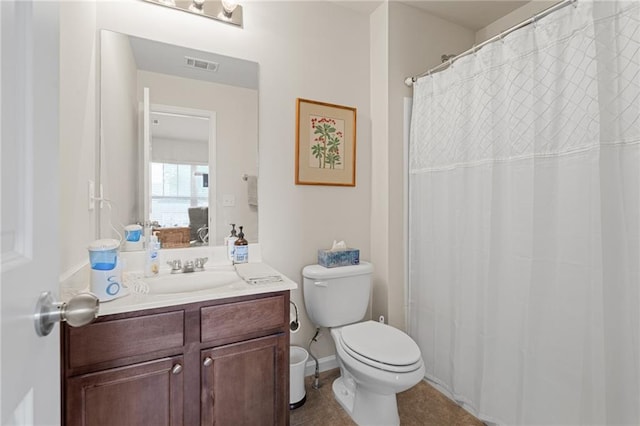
(80, 310)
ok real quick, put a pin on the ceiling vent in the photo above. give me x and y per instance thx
(201, 64)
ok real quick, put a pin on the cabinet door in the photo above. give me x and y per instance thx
(246, 383)
(149, 393)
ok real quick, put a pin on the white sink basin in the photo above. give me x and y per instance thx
(190, 281)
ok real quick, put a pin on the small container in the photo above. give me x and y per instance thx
(241, 249)
(133, 240)
(297, 361)
(106, 271)
(230, 242)
(132, 233)
(152, 261)
(103, 254)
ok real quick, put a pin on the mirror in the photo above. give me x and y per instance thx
(185, 155)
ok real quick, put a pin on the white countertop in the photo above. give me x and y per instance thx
(135, 298)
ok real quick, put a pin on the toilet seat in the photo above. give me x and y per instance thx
(381, 346)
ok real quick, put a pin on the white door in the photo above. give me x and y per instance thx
(30, 365)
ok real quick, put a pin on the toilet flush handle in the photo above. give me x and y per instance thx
(321, 284)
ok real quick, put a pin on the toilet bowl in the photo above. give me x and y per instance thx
(375, 365)
(376, 360)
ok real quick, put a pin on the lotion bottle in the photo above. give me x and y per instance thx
(231, 241)
(152, 262)
(241, 252)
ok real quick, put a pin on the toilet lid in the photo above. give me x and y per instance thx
(381, 346)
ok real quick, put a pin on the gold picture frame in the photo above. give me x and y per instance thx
(325, 144)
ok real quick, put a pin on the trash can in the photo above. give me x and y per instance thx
(297, 360)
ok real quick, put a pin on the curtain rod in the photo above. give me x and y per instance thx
(410, 80)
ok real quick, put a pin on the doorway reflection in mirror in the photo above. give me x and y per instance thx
(154, 180)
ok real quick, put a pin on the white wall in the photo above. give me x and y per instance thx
(513, 18)
(379, 34)
(78, 130)
(313, 50)
(119, 117)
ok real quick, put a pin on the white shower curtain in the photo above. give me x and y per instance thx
(524, 291)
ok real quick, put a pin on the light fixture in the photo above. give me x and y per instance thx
(196, 6)
(228, 6)
(227, 11)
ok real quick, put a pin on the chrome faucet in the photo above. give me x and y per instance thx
(176, 266)
(189, 265)
(199, 263)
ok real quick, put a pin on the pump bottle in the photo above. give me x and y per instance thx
(241, 251)
(230, 241)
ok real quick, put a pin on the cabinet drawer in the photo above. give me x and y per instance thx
(236, 319)
(112, 340)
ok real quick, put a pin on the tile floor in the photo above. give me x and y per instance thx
(421, 405)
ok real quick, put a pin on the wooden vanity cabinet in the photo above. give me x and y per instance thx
(222, 362)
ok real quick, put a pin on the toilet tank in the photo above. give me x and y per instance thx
(337, 296)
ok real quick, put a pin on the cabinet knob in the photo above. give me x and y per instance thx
(207, 362)
(177, 369)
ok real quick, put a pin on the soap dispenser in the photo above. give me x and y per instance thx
(230, 241)
(241, 251)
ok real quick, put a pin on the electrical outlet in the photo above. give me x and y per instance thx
(228, 200)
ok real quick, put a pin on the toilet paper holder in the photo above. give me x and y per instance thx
(294, 321)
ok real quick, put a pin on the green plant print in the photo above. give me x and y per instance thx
(332, 156)
(318, 152)
(326, 142)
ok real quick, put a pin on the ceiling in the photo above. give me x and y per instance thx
(472, 14)
(165, 58)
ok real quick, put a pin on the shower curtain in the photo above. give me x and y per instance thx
(524, 292)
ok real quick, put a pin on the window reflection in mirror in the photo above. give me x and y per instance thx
(175, 188)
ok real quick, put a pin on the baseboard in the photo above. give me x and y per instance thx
(324, 364)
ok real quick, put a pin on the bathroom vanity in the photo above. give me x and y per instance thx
(208, 357)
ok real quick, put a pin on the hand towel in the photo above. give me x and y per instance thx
(252, 190)
(257, 273)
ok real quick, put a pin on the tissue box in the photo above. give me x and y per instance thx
(332, 259)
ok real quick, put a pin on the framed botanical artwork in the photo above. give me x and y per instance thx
(325, 144)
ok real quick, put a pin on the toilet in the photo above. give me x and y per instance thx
(376, 360)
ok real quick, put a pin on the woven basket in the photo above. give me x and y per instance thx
(173, 237)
